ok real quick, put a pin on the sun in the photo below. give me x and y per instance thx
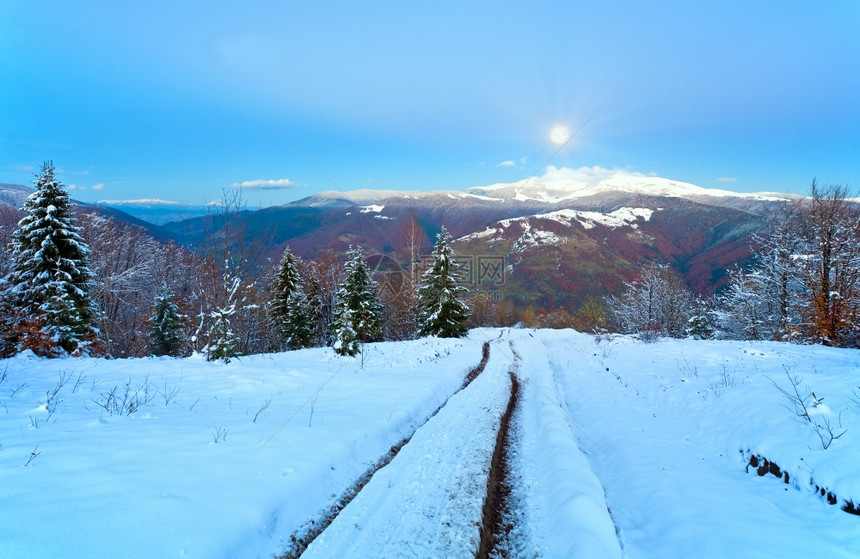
(559, 134)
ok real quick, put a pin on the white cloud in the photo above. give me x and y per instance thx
(508, 163)
(588, 175)
(262, 184)
(71, 187)
(727, 179)
(99, 186)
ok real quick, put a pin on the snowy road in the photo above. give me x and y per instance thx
(560, 510)
(428, 501)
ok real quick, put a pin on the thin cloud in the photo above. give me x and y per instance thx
(508, 163)
(727, 179)
(99, 186)
(271, 184)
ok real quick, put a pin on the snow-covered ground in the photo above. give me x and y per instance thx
(620, 448)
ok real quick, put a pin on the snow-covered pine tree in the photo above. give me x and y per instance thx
(223, 343)
(165, 335)
(441, 311)
(359, 310)
(346, 340)
(289, 311)
(50, 277)
(323, 277)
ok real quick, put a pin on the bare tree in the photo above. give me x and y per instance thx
(765, 302)
(831, 272)
(656, 304)
(414, 238)
(232, 261)
(123, 260)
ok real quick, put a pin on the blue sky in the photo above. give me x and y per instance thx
(181, 100)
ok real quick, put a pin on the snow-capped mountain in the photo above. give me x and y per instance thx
(558, 188)
(347, 198)
(14, 195)
(560, 185)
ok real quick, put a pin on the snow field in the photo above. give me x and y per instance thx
(230, 460)
(428, 501)
(156, 484)
(669, 420)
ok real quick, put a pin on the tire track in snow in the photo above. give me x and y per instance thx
(557, 504)
(428, 502)
(496, 526)
(300, 541)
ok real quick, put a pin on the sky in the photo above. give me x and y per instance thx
(182, 101)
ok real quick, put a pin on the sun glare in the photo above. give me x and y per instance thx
(559, 134)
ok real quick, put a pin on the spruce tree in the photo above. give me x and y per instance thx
(165, 336)
(289, 310)
(223, 342)
(50, 278)
(346, 340)
(441, 312)
(359, 310)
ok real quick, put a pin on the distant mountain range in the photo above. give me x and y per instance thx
(548, 242)
(13, 196)
(157, 212)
